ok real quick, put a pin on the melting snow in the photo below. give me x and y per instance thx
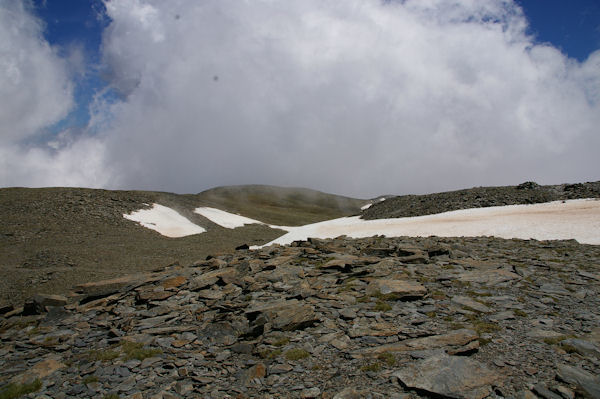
(231, 220)
(574, 219)
(165, 220)
(225, 219)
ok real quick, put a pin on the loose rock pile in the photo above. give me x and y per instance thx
(341, 318)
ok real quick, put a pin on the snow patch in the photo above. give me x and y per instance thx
(225, 219)
(573, 219)
(165, 220)
(364, 207)
(231, 220)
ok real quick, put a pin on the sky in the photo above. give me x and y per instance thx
(360, 97)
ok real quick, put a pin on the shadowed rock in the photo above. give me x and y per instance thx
(284, 315)
(586, 383)
(39, 303)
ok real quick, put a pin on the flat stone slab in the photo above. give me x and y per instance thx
(112, 286)
(174, 282)
(452, 339)
(471, 303)
(338, 264)
(541, 333)
(586, 382)
(286, 315)
(583, 347)
(210, 278)
(557, 289)
(40, 370)
(488, 277)
(506, 315)
(451, 376)
(397, 289)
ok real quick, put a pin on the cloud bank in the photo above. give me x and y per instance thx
(36, 91)
(360, 97)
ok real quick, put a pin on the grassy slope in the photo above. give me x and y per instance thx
(281, 206)
(54, 238)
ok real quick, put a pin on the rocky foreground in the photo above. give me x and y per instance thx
(342, 318)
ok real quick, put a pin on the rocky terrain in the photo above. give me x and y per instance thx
(478, 197)
(342, 318)
(54, 238)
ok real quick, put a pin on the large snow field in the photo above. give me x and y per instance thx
(573, 219)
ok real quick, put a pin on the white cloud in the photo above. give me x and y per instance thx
(360, 97)
(35, 89)
(357, 97)
(80, 163)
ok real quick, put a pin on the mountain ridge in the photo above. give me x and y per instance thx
(478, 197)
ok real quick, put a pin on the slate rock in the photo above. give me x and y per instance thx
(451, 376)
(242, 347)
(382, 252)
(586, 383)
(280, 368)
(348, 314)
(350, 393)
(396, 289)
(207, 279)
(173, 282)
(526, 394)
(259, 370)
(565, 392)
(500, 316)
(5, 308)
(150, 361)
(107, 287)
(40, 370)
(583, 347)
(220, 333)
(338, 264)
(543, 392)
(286, 315)
(39, 303)
(310, 393)
(488, 277)
(541, 333)
(471, 303)
(454, 338)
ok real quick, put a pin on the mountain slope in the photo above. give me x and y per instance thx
(478, 197)
(54, 238)
(281, 205)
